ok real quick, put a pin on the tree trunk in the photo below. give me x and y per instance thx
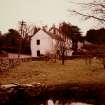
(63, 57)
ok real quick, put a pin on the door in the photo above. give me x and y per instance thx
(38, 52)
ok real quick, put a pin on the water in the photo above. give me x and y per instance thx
(50, 102)
(79, 103)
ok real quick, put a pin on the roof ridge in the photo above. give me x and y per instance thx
(53, 35)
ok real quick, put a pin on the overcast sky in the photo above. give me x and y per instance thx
(39, 12)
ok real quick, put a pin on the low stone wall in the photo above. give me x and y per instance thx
(37, 94)
(7, 63)
(15, 94)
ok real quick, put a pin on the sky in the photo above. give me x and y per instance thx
(40, 12)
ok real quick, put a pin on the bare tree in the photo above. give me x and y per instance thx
(26, 31)
(94, 9)
(59, 47)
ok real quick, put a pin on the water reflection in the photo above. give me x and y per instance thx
(79, 103)
(50, 102)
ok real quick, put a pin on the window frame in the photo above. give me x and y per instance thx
(38, 42)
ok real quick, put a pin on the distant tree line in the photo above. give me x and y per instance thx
(10, 42)
(14, 40)
(72, 33)
(96, 36)
(18, 41)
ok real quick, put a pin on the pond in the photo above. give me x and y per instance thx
(51, 102)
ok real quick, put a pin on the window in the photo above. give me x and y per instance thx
(38, 42)
(38, 52)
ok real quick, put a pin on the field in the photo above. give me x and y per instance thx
(74, 71)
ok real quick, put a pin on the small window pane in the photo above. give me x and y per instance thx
(38, 42)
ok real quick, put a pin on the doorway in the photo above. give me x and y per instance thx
(38, 52)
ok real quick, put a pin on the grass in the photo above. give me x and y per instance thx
(74, 71)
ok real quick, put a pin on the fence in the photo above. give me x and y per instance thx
(7, 63)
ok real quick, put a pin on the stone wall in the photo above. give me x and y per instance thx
(38, 94)
(7, 63)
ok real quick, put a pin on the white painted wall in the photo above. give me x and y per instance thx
(69, 52)
(46, 43)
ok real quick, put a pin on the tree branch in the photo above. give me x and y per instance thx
(88, 16)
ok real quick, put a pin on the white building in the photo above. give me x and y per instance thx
(43, 42)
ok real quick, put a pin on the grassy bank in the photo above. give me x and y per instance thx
(74, 71)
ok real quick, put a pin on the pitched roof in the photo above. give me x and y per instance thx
(53, 36)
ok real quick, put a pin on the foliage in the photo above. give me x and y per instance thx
(10, 40)
(70, 32)
(2, 40)
(66, 32)
(26, 32)
(14, 39)
(96, 36)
